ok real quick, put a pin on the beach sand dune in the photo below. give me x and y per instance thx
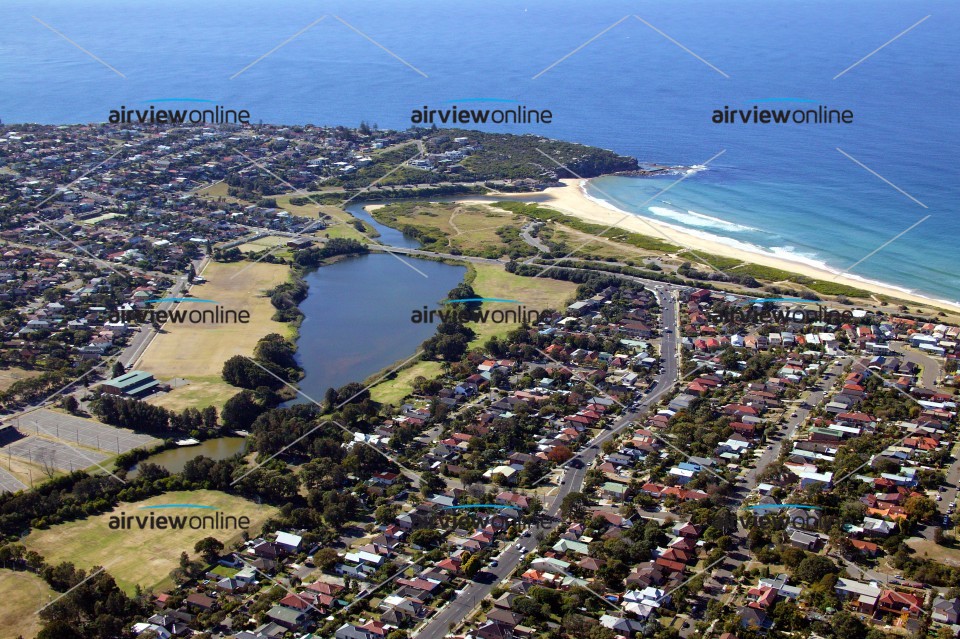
(571, 199)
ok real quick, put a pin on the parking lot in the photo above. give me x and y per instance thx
(9, 483)
(56, 455)
(81, 431)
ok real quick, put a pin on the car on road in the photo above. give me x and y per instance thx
(494, 563)
(526, 533)
(518, 546)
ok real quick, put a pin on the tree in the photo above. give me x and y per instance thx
(118, 369)
(58, 629)
(426, 538)
(534, 508)
(920, 507)
(792, 557)
(813, 568)
(847, 626)
(209, 548)
(240, 411)
(275, 349)
(724, 520)
(559, 454)
(431, 483)
(471, 566)
(209, 416)
(945, 633)
(573, 505)
(70, 404)
(244, 372)
(386, 513)
(325, 559)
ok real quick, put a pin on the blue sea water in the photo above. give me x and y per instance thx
(782, 188)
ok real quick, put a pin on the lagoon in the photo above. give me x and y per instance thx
(357, 317)
(174, 459)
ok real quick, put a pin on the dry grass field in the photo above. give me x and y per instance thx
(196, 352)
(10, 375)
(468, 227)
(147, 556)
(22, 594)
(263, 243)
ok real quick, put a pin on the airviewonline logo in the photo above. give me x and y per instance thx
(459, 311)
(814, 114)
(216, 315)
(150, 520)
(216, 114)
(516, 114)
(769, 309)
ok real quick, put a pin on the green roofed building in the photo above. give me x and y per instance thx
(132, 384)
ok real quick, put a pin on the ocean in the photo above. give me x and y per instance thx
(785, 189)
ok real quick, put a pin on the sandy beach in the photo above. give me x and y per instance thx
(571, 199)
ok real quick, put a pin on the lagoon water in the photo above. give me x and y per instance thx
(357, 312)
(174, 459)
(358, 317)
(783, 188)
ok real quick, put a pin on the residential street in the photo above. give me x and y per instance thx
(571, 481)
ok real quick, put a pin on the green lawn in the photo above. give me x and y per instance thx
(225, 571)
(393, 390)
(536, 293)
